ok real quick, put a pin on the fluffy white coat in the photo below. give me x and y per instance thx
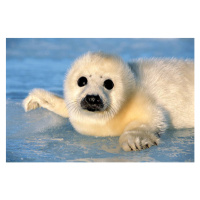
(148, 97)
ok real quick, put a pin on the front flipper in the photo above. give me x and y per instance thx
(137, 140)
(42, 98)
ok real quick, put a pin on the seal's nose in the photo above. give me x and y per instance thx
(93, 99)
(92, 103)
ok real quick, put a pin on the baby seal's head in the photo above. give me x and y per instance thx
(96, 86)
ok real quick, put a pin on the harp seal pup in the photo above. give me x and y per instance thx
(104, 96)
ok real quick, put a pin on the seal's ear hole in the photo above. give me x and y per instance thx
(108, 84)
(82, 81)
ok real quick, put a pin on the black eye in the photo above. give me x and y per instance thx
(108, 84)
(82, 81)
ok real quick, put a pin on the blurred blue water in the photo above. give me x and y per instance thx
(40, 135)
(125, 47)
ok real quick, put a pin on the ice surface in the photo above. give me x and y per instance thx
(42, 136)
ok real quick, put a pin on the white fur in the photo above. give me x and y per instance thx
(148, 97)
(171, 83)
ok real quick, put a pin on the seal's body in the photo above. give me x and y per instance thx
(137, 101)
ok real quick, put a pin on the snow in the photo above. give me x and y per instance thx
(42, 136)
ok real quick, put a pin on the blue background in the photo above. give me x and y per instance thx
(40, 135)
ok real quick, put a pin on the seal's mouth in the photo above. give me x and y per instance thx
(93, 109)
(92, 103)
